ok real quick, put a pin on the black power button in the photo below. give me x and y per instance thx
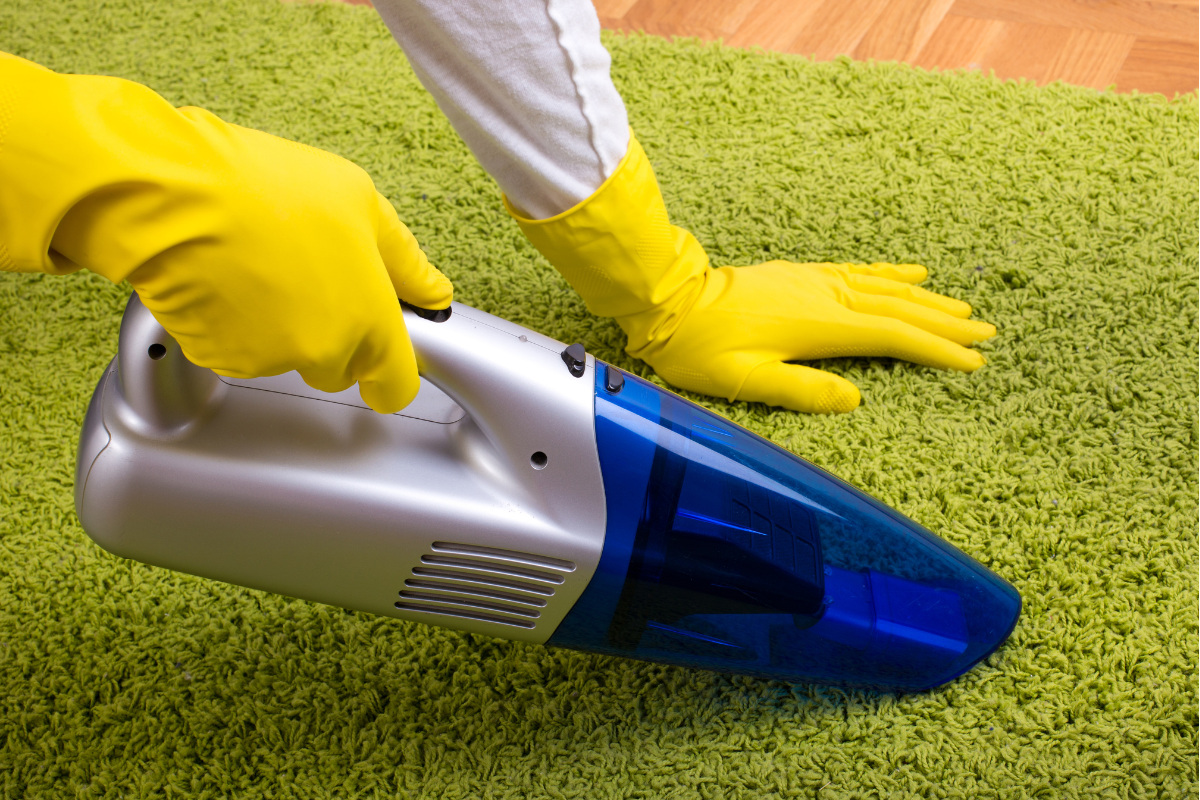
(575, 357)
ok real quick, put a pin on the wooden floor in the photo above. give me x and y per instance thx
(1148, 46)
(1134, 44)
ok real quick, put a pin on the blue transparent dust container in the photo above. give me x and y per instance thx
(726, 552)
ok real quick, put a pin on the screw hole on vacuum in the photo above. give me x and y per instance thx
(156, 351)
(538, 460)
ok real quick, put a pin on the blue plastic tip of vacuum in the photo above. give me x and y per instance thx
(726, 552)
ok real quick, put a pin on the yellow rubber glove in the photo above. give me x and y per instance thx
(258, 255)
(728, 332)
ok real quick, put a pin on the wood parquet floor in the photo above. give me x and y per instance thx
(1148, 46)
(1143, 45)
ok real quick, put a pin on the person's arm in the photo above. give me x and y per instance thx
(258, 255)
(526, 84)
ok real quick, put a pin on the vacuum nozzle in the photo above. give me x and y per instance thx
(726, 552)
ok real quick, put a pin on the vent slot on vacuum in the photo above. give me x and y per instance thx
(487, 584)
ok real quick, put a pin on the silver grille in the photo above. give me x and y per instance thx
(487, 584)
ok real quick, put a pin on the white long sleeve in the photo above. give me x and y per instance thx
(526, 85)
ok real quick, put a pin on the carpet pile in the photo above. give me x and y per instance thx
(1066, 216)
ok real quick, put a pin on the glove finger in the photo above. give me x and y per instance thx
(895, 338)
(799, 388)
(905, 273)
(959, 331)
(871, 284)
(327, 379)
(382, 363)
(415, 280)
(390, 381)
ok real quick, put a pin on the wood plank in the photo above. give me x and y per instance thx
(902, 30)
(646, 16)
(1157, 65)
(1131, 17)
(774, 24)
(1021, 50)
(706, 19)
(1188, 3)
(1041, 53)
(836, 28)
(959, 43)
(1091, 58)
(612, 9)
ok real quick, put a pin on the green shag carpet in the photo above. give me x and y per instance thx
(1067, 216)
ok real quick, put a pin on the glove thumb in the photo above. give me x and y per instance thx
(415, 280)
(799, 388)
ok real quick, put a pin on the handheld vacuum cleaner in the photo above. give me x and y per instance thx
(530, 492)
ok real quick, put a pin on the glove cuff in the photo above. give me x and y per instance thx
(87, 162)
(620, 252)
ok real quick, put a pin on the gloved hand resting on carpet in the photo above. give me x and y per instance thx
(526, 84)
(728, 332)
(259, 255)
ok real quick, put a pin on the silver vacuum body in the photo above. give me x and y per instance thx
(479, 507)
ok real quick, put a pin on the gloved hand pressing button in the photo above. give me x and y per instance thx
(259, 255)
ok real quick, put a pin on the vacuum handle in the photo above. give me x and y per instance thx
(535, 410)
(534, 418)
(163, 393)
